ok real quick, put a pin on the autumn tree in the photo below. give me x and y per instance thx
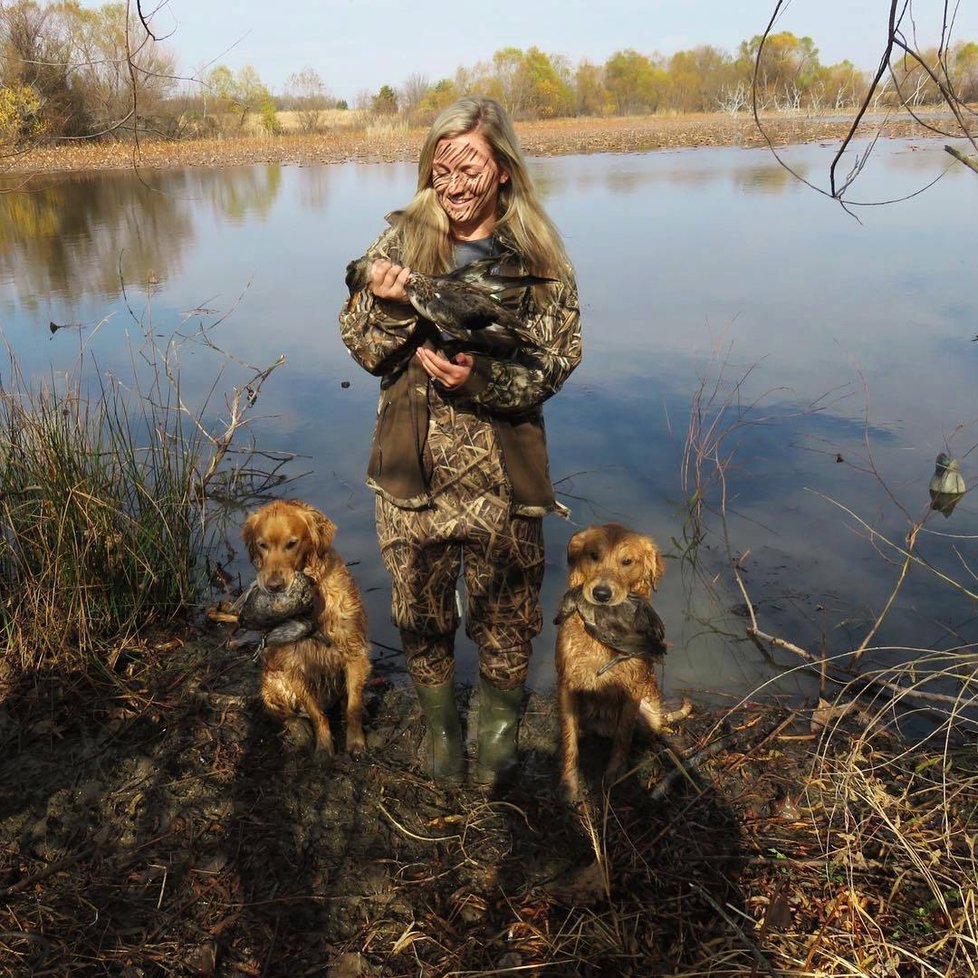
(697, 77)
(635, 82)
(20, 118)
(591, 98)
(36, 58)
(783, 68)
(92, 71)
(123, 71)
(548, 87)
(839, 86)
(234, 95)
(412, 94)
(963, 71)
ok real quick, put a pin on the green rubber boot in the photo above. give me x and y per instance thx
(499, 717)
(444, 739)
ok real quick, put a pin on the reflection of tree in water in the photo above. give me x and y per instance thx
(767, 176)
(313, 187)
(238, 192)
(69, 233)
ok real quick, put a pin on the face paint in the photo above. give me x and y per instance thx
(466, 179)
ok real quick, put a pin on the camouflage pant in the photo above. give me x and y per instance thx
(501, 557)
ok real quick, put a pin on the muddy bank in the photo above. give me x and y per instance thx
(153, 822)
(401, 144)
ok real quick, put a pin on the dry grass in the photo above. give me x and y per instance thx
(880, 862)
(360, 137)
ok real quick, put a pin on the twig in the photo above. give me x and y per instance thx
(684, 766)
(869, 680)
(755, 951)
(49, 870)
(911, 540)
(411, 835)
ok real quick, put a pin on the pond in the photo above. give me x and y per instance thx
(827, 358)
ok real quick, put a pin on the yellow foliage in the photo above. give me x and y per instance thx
(20, 116)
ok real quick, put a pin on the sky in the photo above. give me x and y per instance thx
(356, 46)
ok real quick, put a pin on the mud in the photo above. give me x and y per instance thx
(156, 823)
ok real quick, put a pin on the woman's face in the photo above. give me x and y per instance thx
(466, 178)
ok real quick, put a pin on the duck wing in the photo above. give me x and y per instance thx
(632, 628)
(479, 274)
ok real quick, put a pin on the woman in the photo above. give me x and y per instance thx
(459, 460)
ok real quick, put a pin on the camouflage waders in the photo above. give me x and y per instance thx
(469, 529)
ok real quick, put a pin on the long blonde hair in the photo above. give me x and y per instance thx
(423, 224)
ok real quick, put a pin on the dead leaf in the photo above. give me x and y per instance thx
(826, 713)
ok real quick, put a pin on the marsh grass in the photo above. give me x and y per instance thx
(882, 859)
(107, 512)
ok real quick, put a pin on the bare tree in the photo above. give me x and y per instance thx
(310, 96)
(906, 73)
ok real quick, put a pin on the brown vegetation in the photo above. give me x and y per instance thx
(396, 143)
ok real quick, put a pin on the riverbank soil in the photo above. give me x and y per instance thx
(395, 143)
(154, 822)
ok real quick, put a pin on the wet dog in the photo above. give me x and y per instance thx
(307, 675)
(608, 643)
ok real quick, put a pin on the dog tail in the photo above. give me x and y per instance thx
(653, 718)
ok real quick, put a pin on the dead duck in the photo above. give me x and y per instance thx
(281, 616)
(462, 303)
(631, 628)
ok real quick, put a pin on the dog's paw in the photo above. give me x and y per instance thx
(356, 746)
(325, 751)
(683, 711)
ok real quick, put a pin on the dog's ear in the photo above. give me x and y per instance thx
(250, 536)
(653, 566)
(321, 531)
(576, 545)
(576, 548)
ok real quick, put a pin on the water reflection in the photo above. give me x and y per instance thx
(90, 233)
(834, 356)
(239, 193)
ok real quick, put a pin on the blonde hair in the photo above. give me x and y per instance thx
(423, 225)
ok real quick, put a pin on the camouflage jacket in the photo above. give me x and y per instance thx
(382, 337)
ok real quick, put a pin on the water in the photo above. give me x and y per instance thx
(838, 353)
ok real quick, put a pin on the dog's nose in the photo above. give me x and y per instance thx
(602, 593)
(275, 583)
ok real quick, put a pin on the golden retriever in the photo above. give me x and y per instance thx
(285, 538)
(607, 645)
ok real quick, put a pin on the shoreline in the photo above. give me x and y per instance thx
(400, 144)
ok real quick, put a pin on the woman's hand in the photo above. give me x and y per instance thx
(449, 373)
(387, 280)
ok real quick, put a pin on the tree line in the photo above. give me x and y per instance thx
(72, 72)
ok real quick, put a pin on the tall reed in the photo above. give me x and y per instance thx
(105, 513)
